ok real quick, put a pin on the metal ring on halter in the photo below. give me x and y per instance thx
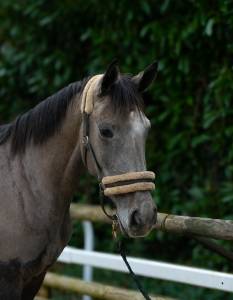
(102, 198)
(85, 140)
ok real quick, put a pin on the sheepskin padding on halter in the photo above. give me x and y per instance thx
(87, 104)
(125, 183)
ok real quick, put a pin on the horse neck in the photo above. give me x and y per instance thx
(55, 165)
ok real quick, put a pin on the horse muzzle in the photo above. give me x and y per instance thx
(130, 192)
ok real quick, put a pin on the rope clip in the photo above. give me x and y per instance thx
(114, 229)
(85, 140)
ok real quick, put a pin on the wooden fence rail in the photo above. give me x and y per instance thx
(95, 290)
(205, 227)
(199, 227)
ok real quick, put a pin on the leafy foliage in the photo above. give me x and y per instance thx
(47, 44)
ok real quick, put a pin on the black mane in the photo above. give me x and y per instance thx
(42, 121)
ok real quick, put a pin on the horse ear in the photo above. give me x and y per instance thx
(145, 78)
(110, 77)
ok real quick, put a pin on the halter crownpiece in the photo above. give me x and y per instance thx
(118, 184)
(87, 104)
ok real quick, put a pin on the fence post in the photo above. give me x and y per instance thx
(89, 246)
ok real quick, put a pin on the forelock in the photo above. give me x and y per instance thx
(124, 95)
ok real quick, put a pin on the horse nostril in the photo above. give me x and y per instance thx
(135, 218)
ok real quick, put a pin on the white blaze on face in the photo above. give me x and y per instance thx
(139, 123)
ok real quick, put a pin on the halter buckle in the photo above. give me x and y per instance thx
(85, 140)
(114, 229)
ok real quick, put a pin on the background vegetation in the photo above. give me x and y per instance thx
(44, 45)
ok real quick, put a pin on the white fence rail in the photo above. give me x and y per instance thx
(148, 268)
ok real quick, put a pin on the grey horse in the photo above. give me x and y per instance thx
(41, 161)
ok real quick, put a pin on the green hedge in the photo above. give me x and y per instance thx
(44, 45)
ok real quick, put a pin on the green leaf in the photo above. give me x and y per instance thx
(203, 138)
(209, 27)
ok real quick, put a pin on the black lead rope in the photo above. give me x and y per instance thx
(121, 249)
(120, 245)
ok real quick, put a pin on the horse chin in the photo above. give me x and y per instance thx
(140, 234)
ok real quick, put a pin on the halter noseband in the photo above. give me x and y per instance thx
(111, 185)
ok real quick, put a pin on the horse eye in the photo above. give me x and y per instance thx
(106, 132)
